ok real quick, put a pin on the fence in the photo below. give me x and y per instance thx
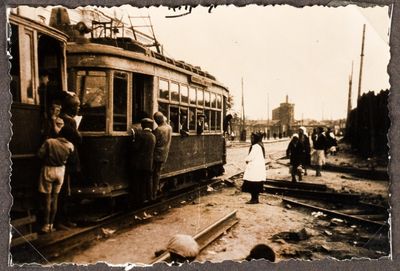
(368, 124)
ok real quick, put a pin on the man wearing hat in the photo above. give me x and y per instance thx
(142, 154)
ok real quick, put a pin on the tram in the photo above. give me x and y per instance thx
(118, 80)
(33, 46)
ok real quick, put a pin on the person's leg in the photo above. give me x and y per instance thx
(54, 203)
(156, 179)
(299, 173)
(318, 171)
(254, 197)
(148, 184)
(293, 173)
(47, 209)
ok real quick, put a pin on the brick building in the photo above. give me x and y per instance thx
(283, 118)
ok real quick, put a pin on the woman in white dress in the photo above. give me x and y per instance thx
(254, 174)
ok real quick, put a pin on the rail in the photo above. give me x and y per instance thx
(208, 235)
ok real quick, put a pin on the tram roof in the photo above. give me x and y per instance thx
(43, 28)
(129, 48)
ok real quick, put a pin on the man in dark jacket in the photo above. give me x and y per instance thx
(296, 152)
(142, 153)
(163, 134)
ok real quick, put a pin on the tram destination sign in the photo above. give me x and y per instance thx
(200, 81)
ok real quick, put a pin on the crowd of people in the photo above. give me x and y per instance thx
(301, 151)
(59, 151)
(60, 158)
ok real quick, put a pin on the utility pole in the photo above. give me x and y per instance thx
(268, 128)
(361, 64)
(243, 130)
(349, 105)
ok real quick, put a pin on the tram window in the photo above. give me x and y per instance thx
(200, 97)
(219, 101)
(207, 98)
(207, 120)
(213, 100)
(212, 120)
(192, 95)
(163, 108)
(163, 92)
(174, 118)
(120, 102)
(183, 119)
(27, 68)
(218, 121)
(184, 94)
(92, 92)
(15, 68)
(192, 118)
(174, 92)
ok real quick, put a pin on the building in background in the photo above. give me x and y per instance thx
(284, 115)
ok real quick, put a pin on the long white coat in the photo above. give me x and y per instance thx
(255, 168)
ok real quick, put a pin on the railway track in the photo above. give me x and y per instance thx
(371, 217)
(208, 235)
(51, 246)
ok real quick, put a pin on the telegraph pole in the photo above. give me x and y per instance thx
(349, 106)
(243, 130)
(361, 64)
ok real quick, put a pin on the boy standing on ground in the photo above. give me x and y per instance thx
(54, 152)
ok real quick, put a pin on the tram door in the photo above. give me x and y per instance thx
(141, 96)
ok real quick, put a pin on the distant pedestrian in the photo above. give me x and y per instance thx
(142, 156)
(331, 142)
(54, 152)
(261, 251)
(254, 174)
(305, 140)
(296, 152)
(163, 134)
(318, 156)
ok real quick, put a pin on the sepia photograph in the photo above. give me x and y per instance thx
(143, 136)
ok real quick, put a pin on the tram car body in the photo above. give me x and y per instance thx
(116, 81)
(33, 46)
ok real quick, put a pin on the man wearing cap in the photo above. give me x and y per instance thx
(163, 134)
(142, 152)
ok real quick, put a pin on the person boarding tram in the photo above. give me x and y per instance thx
(54, 152)
(163, 134)
(143, 144)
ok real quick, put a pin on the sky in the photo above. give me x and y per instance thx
(305, 53)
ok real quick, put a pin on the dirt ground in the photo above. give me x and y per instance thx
(266, 223)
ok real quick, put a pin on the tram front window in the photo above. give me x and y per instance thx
(92, 92)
